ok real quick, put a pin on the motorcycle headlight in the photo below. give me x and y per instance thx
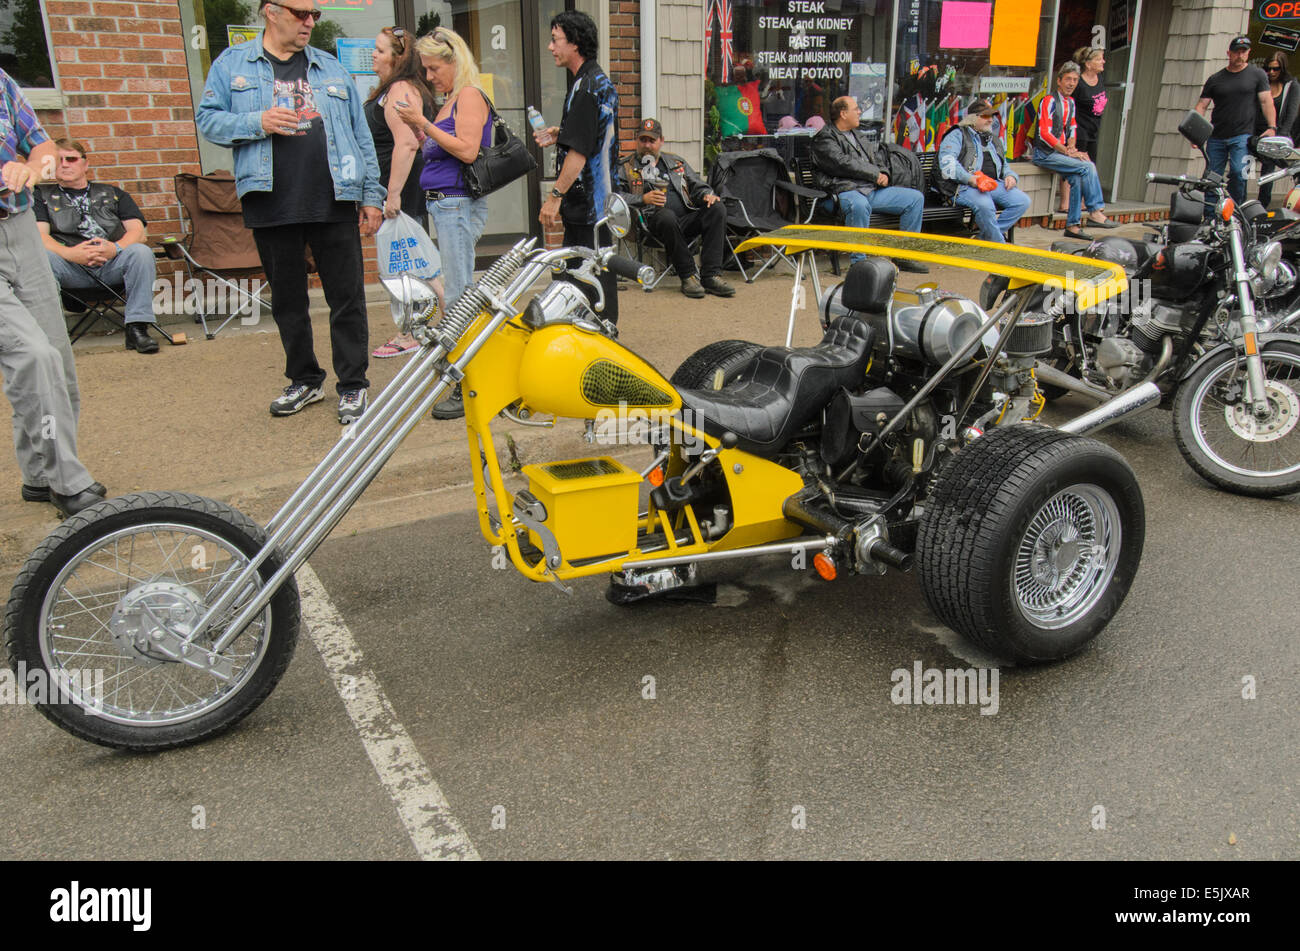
(1265, 260)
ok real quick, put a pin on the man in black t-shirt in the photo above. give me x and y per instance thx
(304, 161)
(94, 232)
(1236, 92)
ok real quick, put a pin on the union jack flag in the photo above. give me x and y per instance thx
(725, 37)
(708, 32)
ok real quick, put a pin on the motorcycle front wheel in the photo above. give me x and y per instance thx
(90, 600)
(1223, 440)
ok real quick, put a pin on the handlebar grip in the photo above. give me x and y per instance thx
(632, 270)
(1166, 179)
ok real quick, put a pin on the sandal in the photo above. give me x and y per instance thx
(396, 347)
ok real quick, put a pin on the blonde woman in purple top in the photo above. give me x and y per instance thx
(452, 139)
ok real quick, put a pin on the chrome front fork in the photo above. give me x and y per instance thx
(1256, 393)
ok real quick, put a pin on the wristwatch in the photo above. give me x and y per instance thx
(556, 193)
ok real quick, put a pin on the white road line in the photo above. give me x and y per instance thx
(434, 831)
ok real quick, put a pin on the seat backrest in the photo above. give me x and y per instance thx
(218, 238)
(751, 177)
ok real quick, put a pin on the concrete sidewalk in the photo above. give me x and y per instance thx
(195, 418)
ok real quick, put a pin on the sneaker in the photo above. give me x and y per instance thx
(451, 406)
(717, 286)
(295, 398)
(692, 287)
(352, 403)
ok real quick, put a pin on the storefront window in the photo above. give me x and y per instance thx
(774, 66)
(24, 46)
(949, 51)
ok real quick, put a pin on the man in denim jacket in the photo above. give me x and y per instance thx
(303, 160)
(971, 155)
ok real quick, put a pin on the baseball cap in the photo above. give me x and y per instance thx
(650, 127)
(1240, 43)
(980, 107)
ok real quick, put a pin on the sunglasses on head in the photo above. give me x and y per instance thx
(305, 16)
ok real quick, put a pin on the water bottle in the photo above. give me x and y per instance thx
(535, 119)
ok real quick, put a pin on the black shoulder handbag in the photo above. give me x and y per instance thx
(500, 163)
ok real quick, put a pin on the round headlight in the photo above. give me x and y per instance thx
(1266, 260)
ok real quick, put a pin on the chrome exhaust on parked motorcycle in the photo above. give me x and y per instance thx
(1143, 396)
(1054, 377)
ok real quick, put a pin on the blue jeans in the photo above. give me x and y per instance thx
(1232, 153)
(994, 211)
(907, 203)
(458, 224)
(1082, 176)
(133, 267)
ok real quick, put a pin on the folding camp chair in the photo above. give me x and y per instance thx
(218, 245)
(759, 196)
(101, 302)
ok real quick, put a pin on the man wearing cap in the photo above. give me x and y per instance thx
(677, 205)
(1234, 92)
(974, 173)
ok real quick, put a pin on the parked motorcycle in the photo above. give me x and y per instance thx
(901, 437)
(1190, 324)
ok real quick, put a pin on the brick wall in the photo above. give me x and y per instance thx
(624, 62)
(122, 73)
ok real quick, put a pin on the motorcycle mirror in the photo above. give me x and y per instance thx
(618, 217)
(1195, 128)
(1277, 147)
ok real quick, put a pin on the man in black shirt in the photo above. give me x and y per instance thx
(677, 204)
(586, 143)
(1235, 92)
(94, 232)
(304, 161)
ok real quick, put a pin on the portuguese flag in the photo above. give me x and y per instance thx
(739, 109)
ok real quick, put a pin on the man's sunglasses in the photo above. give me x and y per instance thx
(305, 16)
(71, 159)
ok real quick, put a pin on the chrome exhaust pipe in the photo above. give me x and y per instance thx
(1140, 397)
(1054, 377)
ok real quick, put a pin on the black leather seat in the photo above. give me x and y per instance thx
(784, 388)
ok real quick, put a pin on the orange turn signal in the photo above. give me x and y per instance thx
(1227, 208)
(656, 477)
(824, 565)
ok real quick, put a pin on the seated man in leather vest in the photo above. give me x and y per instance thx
(975, 174)
(853, 169)
(676, 204)
(96, 231)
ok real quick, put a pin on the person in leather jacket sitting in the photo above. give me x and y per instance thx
(853, 169)
(92, 230)
(676, 204)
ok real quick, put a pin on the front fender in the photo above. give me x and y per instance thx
(1263, 340)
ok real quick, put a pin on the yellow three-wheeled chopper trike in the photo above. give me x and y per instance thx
(906, 437)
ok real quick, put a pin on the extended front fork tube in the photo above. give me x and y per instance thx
(1257, 393)
(319, 504)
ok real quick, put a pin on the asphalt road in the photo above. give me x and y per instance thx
(771, 706)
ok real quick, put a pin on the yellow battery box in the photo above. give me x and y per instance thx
(591, 505)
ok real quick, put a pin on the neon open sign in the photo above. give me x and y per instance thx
(1279, 9)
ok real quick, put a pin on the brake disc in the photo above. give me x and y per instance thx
(1283, 415)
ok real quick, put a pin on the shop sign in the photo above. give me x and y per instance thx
(240, 34)
(1280, 37)
(1279, 10)
(1006, 84)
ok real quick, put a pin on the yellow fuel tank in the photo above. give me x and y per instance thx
(577, 373)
